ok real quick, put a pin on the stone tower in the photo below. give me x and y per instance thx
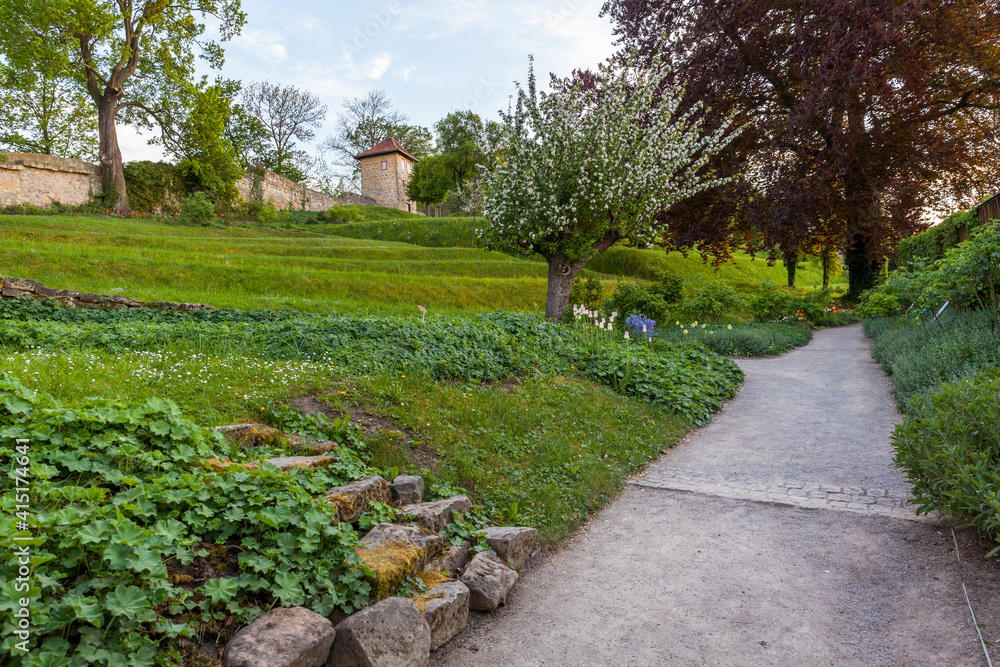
(386, 169)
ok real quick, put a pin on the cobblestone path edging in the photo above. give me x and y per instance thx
(805, 495)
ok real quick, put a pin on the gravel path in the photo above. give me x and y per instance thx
(776, 535)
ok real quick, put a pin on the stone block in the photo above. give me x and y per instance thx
(407, 489)
(488, 580)
(452, 559)
(22, 284)
(293, 637)
(390, 563)
(251, 435)
(446, 610)
(288, 462)
(56, 293)
(87, 297)
(352, 499)
(513, 544)
(11, 292)
(390, 633)
(439, 513)
(430, 543)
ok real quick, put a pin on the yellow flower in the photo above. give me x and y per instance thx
(678, 323)
(695, 323)
(703, 326)
(685, 331)
(730, 327)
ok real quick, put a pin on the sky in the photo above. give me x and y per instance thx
(431, 56)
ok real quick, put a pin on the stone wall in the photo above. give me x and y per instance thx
(387, 186)
(287, 194)
(12, 288)
(27, 178)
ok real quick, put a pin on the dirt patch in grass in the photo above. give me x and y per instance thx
(389, 441)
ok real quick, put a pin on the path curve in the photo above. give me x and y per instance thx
(776, 535)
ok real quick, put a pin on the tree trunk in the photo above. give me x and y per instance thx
(791, 262)
(561, 277)
(112, 173)
(862, 271)
(826, 267)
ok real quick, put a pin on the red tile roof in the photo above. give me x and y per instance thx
(389, 145)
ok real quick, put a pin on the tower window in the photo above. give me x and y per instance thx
(385, 165)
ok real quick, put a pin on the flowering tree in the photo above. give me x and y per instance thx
(587, 166)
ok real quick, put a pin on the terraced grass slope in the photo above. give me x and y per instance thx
(743, 273)
(262, 268)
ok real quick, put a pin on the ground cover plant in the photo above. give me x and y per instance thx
(540, 423)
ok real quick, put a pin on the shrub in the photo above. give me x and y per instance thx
(338, 215)
(713, 301)
(631, 299)
(950, 451)
(588, 291)
(740, 340)
(877, 303)
(669, 287)
(770, 303)
(197, 210)
(150, 185)
(922, 357)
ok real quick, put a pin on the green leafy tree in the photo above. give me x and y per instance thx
(431, 181)
(44, 112)
(587, 167)
(129, 56)
(194, 135)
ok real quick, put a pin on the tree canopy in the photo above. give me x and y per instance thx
(585, 168)
(129, 57)
(864, 114)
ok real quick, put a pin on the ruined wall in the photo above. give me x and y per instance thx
(388, 186)
(27, 178)
(287, 194)
(13, 288)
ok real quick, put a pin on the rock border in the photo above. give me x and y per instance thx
(13, 288)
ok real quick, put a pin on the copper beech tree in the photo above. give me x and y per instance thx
(130, 57)
(587, 166)
(863, 115)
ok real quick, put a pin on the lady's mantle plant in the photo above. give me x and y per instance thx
(586, 167)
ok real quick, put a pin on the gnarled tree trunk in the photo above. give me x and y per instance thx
(561, 275)
(112, 171)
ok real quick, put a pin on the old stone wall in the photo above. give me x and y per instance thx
(13, 288)
(287, 194)
(27, 178)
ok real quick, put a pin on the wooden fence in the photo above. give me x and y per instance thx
(989, 210)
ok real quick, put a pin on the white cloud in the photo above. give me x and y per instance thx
(264, 44)
(378, 66)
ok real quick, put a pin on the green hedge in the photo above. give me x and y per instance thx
(946, 378)
(932, 244)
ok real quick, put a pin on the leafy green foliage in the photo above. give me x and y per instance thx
(632, 299)
(197, 209)
(951, 451)
(739, 340)
(337, 215)
(713, 301)
(934, 243)
(123, 511)
(921, 357)
(150, 184)
(876, 303)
